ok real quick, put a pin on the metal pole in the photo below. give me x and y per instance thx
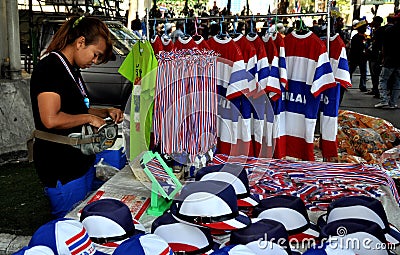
(328, 29)
(13, 39)
(256, 17)
(3, 39)
(357, 9)
(147, 24)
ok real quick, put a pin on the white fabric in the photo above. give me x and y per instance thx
(290, 218)
(182, 233)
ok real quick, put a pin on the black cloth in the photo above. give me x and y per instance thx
(55, 161)
(391, 49)
(375, 47)
(357, 49)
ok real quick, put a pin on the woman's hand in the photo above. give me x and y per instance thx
(116, 114)
(96, 121)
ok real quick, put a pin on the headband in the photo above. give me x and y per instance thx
(76, 23)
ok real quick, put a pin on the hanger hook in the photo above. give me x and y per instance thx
(195, 26)
(251, 24)
(154, 27)
(234, 24)
(165, 26)
(220, 25)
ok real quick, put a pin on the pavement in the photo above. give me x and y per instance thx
(358, 101)
(353, 100)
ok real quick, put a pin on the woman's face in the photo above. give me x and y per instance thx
(86, 55)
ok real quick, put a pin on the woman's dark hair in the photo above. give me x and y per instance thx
(89, 27)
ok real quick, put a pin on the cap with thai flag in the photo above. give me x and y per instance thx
(361, 207)
(182, 237)
(233, 174)
(234, 249)
(144, 244)
(291, 212)
(211, 204)
(64, 236)
(108, 222)
(35, 250)
(362, 236)
(264, 236)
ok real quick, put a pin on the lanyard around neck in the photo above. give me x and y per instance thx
(79, 83)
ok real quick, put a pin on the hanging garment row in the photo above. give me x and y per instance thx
(293, 75)
(271, 90)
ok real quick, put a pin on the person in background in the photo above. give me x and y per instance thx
(168, 27)
(178, 32)
(316, 28)
(61, 106)
(357, 56)
(338, 26)
(136, 26)
(374, 54)
(391, 66)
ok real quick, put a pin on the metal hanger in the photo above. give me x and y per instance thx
(235, 34)
(252, 33)
(221, 34)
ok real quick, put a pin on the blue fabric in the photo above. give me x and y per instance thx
(63, 198)
(21, 251)
(383, 85)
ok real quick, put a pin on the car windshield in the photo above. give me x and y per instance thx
(122, 37)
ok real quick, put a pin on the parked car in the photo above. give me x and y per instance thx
(106, 87)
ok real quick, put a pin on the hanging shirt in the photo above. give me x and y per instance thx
(309, 74)
(232, 81)
(167, 43)
(241, 106)
(249, 53)
(273, 61)
(329, 106)
(231, 70)
(277, 38)
(262, 114)
(156, 44)
(184, 43)
(201, 43)
(280, 46)
(140, 67)
(338, 60)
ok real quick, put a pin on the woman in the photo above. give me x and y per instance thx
(60, 105)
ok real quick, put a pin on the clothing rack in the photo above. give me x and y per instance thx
(234, 17)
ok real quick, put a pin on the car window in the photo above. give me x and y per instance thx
(122, 37)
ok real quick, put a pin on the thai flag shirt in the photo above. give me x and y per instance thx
(241, 105)
(182, 43)
(277, 38)
(201, 43)
(232, 82)
(309, 74)
(273, 61)
(331, 97)
(280, 46)
(338, 59)
(263, 116)
(168, 44)
(156, 44)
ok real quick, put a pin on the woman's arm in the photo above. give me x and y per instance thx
(116, 114)
(49, 104)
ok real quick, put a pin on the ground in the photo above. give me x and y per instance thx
(23, 205)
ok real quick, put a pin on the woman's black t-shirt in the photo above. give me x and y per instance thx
(54, 161)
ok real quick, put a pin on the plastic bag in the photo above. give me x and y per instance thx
(105, 171)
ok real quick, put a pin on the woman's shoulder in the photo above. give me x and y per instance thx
(48, 63)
